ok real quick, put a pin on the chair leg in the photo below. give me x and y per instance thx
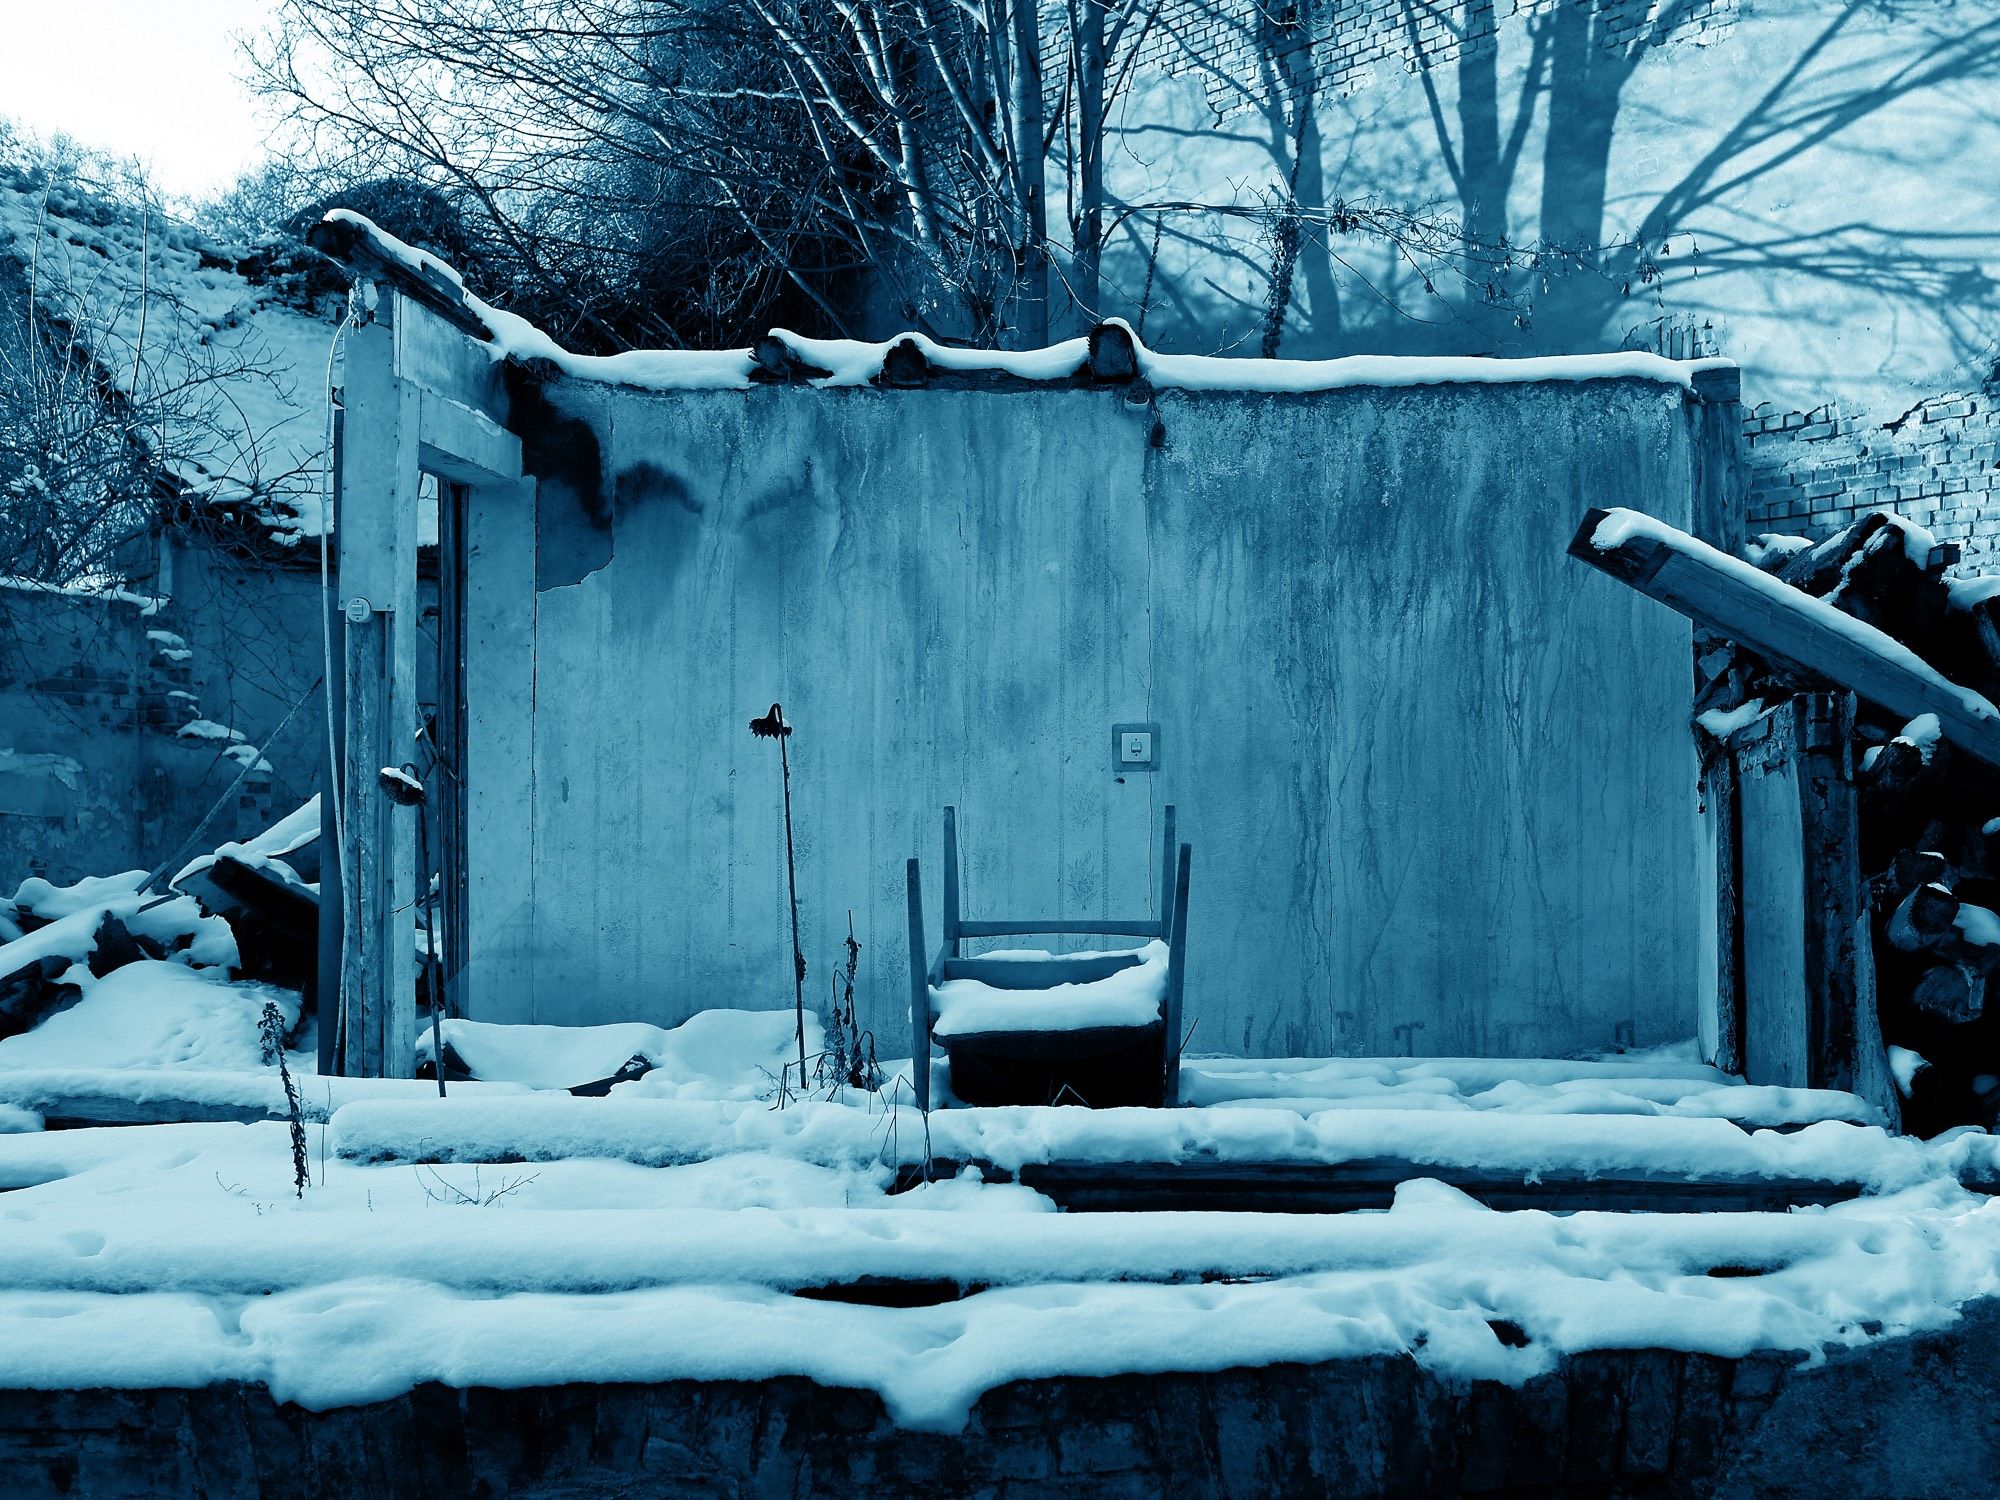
(951, 882)
(1176, 975)
(920, 994)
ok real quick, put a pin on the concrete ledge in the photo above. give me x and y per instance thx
(1910, 1417)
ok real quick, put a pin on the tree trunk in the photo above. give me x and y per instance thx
(1087, 285)
(1030, 196)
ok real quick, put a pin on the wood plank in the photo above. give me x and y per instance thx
(1370, 1184)
(1038, 973)
(1146, 927)
(1775, 1008)
(1789, 628)
(465, 445)
(1723, 809)
(1845, 1035)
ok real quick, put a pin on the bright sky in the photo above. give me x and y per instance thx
(155, 79)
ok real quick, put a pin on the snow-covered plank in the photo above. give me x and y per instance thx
(657, 1133)
(1788, 627)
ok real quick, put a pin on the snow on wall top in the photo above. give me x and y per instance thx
(225, 363)
(850, 362)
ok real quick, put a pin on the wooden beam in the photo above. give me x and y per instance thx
(1147, 927)
(460, 443)
(1790, 629)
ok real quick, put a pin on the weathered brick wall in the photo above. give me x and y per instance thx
(1938, 465)
(1239, 46)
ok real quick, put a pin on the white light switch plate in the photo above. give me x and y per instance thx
(1135, 747)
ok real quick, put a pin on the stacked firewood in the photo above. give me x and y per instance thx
(1929, 816)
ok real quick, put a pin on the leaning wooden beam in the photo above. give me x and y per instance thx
(1789, 628)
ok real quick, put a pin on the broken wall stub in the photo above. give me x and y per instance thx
(1439, 782)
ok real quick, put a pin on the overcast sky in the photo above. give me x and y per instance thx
(155, 79)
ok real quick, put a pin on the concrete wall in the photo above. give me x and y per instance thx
(1436, 775)
(94, 775)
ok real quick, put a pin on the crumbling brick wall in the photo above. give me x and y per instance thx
(1938, 465)
(1238, 46)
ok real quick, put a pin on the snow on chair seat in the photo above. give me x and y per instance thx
(1024, 1026)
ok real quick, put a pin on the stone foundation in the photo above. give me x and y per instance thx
(1908, 1417)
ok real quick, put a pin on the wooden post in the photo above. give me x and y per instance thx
(920, 993)
(378, 598)
(951, 882)
(1844, 1036)
(1721, 792)
(1167, 877)
(1801, 908)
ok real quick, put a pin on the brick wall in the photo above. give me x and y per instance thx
(1239, 46)
(1938, 465)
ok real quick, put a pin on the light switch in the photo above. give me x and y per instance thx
(1135, 747)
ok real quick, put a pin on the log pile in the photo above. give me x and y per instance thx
(1929, 811)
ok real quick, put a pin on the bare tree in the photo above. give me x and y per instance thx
(807, 145)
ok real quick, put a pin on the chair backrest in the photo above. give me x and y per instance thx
(957, 926)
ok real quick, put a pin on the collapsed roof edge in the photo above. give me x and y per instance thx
(1112, 353)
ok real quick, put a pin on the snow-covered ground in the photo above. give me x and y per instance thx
(515, 1234)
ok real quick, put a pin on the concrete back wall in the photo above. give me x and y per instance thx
(1437, 776)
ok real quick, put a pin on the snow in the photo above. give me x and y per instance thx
(550, 1127)
(168, 920)
(1130, 997)
(1620, 526)
(1924, 731)
(208, 729)
(716, 1054)
(1904, 1065)
(173, 1257)
(1970, 593)
(154, 1014)
(51, 901)
(1723, 722)
(1770, 549)
(507, 1237)
(267, 850)
(855, 363)
(401, 781)
(97, 588)
(1977, 925)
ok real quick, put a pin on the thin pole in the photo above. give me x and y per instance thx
(431, 953)
(792, 882)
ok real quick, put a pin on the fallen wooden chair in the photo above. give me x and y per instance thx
(1036, 1042)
